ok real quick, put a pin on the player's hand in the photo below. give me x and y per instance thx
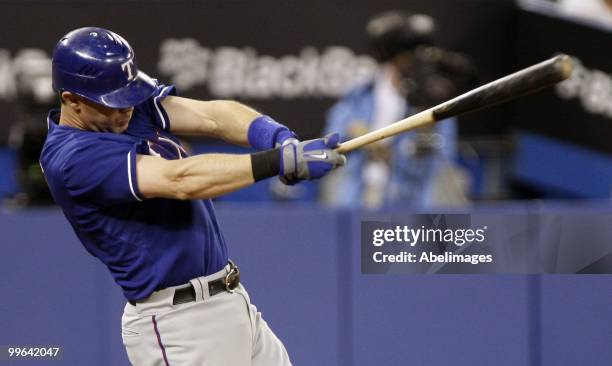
(311, 159)
(284, 138)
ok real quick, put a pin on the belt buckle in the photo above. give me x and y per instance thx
(231, 276)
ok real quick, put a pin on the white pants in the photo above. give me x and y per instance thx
(222, 330)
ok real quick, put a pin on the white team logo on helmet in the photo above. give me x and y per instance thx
(128, 68)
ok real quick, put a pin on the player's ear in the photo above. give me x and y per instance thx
(70, 99)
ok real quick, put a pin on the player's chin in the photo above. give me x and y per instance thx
(120, 127)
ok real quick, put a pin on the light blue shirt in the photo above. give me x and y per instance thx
(411, 176)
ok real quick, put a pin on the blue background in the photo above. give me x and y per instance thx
(301, 267)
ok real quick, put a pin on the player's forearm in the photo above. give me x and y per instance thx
(195, 177)
(223, 119)
(227, 120)
(231, 120)
(211, 175)
(239, 124)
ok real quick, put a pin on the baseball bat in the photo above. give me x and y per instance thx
(523, 82)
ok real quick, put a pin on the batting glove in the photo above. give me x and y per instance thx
(284, 138)
(311, 159)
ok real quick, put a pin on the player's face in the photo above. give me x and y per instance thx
(105, 119)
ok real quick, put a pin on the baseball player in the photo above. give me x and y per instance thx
(142, 206)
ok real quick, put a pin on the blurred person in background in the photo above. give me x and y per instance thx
(27, 135)
(414, 168)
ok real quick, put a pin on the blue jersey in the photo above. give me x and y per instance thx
(146, 244)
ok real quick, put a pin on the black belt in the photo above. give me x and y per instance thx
(223, 284)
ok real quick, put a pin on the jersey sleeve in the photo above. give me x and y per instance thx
(103, 173)
(153, 108)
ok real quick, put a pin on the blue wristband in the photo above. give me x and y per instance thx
(262, 132)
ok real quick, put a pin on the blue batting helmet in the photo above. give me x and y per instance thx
(99, 65)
